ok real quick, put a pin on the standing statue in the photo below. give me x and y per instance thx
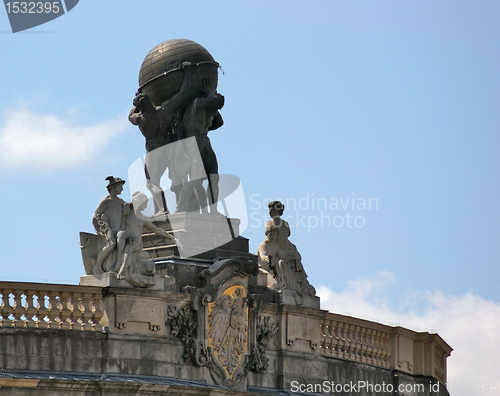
(107, 221)
(281, 257)
(202, 115)
(156, 124)
(181, 77)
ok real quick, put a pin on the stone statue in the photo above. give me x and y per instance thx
(156, 124)
(267, 256)
(136, 267)
(117, 247)
(107, 221)
(281, 258)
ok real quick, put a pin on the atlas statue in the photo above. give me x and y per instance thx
(175, 107)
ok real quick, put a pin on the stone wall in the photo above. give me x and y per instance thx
(156, 342)
(66, 362)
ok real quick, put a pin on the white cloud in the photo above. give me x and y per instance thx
(46, 141)
(469, 323)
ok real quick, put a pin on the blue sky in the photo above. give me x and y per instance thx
(391, 100)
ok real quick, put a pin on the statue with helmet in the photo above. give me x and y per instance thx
(117, 247)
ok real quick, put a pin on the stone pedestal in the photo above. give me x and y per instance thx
(109, 279)
(288, 297)
(203, 239)
(202, 236)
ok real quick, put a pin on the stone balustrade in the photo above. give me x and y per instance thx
(71, 307)
(345, 337)
(50, 306)
(417, 353)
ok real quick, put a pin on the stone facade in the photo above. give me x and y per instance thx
(212, 324)
(220, 331)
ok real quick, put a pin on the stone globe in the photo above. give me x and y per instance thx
(161, 75)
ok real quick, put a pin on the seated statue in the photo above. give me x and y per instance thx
(289, 272)
(136, 267)
(267, 257)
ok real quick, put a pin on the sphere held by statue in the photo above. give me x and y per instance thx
(161, 73)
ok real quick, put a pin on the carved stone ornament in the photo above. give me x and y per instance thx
(228, 329)
(183, 324)
(227, 316)
(266, 330)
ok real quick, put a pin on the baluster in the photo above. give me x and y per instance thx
(363, 345)
(85, 311)
(353, 343)
(331, 337)
(88, 312)
(340, 331)
(74, 302)
(336, 341)
(350, 343)
(93, 309)
(65, 311)
(378, 351)
(323, 328)
(336, 338)
(379, 348)
(17, 309)
(43, 310)
(31, 310)
(97, 313)
(345, 341)
(39, 321)
(24, 307)
(53, 309)
(326, 336)
(375, 348)
(6, 309)
(357, 344)
(387, 352)
(369, 346)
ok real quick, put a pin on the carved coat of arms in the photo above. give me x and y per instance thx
(228, 329)
(222, 328)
